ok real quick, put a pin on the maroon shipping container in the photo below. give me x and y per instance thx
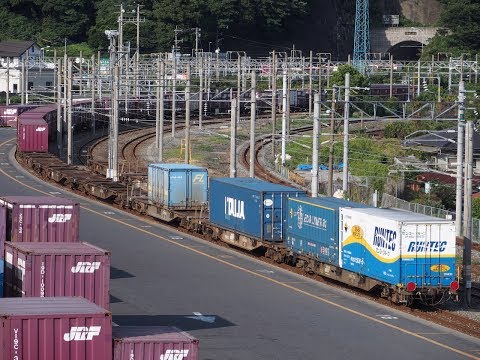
(39, 219)
(9, 113)
(54, 329)
(32, 135)
(153, 343)
(57, 269)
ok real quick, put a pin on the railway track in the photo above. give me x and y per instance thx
(439, 315)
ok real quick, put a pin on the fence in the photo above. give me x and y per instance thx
(394, 202)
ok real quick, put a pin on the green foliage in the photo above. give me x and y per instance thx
(461, 21)
(367, 157)
(356, 78)
(476, 208)
(400, 129)
(78, 21)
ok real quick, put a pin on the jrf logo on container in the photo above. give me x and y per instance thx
(60, 218)
(174, 355)
(82, 333)
(86, 267)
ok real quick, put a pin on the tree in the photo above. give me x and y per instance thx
(476, 208)
(461, 22)
(356, 78)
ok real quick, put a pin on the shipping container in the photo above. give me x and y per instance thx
(9, 113)
(178, 186)
(398, 247)
(252, 207)
(39, 219)
(312, 226)
(57, 269)
(32, 135)
(153, 343)
(54, 329)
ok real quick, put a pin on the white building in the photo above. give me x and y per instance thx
(17, 57)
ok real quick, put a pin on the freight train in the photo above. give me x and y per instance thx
(399, 255)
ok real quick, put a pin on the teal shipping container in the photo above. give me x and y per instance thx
(313, 226)
(178, 186)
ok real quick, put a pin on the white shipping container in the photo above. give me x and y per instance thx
(397, 246)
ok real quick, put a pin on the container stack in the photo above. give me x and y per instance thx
(54, 329)
(36, 219)
(57, 292)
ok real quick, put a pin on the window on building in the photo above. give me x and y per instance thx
(30, 85)
(15, 87)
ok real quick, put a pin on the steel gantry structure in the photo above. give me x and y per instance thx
(361, 45)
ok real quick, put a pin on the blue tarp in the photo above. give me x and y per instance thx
(309, 167)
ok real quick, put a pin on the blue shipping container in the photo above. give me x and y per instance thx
(178, 186)
(251, 207)
(312, 226)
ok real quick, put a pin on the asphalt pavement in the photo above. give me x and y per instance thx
(237, 307)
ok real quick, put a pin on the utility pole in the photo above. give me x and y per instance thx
(467, 220)
(274, 101)
(174, 80)
(310, 84)
(233, 138)
(391, 75)
(200, 94)
(113, 123)
(157, 110)
(161, 112)
(59, 109)
(332, 144)
(68, 105)
(197, 37)
(92, 89)
(316, 127)
(239, 84)
(22, 83)
(124, 19)
(65, 92)
(7, 94)
(346, 115)
(460, 140)
(253, 110)
(187, 117)
(284, 115)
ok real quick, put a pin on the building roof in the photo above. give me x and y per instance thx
(14, 48)
(444, 141)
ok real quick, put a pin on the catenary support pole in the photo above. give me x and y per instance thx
(460, 141)
(346, 116)
(7, 93)
(310, 84)
(157, 109)
(273, 71)
(233, 137)
(200, 92)
(59, 110)
(467, 220)
(187, 117)
(316, 127)
(253, 110)
(115, 97)
(332, 143)
(92, 92)
(284, 115)
(161, 113)
(68, 105)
